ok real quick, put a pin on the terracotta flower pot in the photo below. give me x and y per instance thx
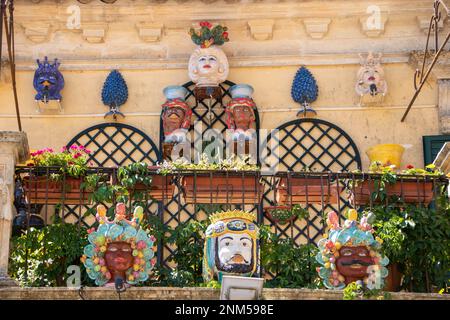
(234, 189)
(307, 190)
(410, 191)
(160, 189)
(269, 211)
(43, 190)
(394, 279)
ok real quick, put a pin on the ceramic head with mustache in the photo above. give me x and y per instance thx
(231, 246)
(351, 253)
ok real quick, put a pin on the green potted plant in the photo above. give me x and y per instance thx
(389, 225)
(58, 176)
(232, 180)
(141, 178)
(285, 214)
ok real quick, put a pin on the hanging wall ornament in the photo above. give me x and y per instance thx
(351, 254)
(114, 93)
(208, 64)
(371, 84)
(48, 82)
(231, 245)
(304, 91)
(119, 250)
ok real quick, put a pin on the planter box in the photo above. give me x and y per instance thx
(409, 191)
(394, 279)
(219, 189)
(43, 190)
(269, 210)
(307, 190)
(160, 189)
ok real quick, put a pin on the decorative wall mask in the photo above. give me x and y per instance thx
(241, 111)
(208, 64)
(231, 246)
(176, 114)
(48, 82)
(371, 81)
(304, 91)
(351, 254)
(119, 250)
(114, 93)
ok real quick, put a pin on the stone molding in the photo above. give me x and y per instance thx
(94, 32)
(37, 32)
(444, 105)
(150, 32)
(261, 29)
(369, 30)
(316, 28)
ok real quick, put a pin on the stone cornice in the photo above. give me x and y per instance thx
(25, 64)
(441, 70)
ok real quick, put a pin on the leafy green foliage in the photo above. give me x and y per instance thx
(418, 240)
(355, 291)
(40, 257)
(208, 35)
(295, 266)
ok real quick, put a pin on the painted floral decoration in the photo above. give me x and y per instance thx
(208, 35)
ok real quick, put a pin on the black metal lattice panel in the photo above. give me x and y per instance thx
(211, 114)
(319, 146)
(117, 144)
(112, 145)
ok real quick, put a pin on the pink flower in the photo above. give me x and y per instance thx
(87, 150)
(77, 155)
(73, 147)
(33, 154)
(63, 149)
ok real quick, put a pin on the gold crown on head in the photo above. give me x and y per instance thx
(232, 214)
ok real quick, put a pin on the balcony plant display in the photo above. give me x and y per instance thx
(58, 176)
(140, 179)
(411, 185)
(228, 181)
(285, 214)
(308, 188)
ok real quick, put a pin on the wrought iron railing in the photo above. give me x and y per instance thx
(186, 195)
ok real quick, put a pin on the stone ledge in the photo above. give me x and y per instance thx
(169, 293)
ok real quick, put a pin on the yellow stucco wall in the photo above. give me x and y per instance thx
(336, 78)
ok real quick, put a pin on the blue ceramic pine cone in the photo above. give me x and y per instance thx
(115, 90)
(304, 87)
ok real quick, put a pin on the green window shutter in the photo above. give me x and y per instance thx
(432, 145)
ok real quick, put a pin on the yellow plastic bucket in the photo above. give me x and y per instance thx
(387, 154)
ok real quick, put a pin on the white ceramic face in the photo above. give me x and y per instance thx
(235, 249)
(208, 64)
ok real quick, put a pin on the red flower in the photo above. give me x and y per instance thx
(225, 35)
(206, 24)
(409, 166)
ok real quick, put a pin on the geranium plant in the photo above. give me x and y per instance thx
(72, 161)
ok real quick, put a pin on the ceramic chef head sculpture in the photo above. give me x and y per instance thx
(208, 64)
(48, 81)
(231, 246)
(371, 78)
(241, 111)
(351, 254)
(119, 250)
(176, 114)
